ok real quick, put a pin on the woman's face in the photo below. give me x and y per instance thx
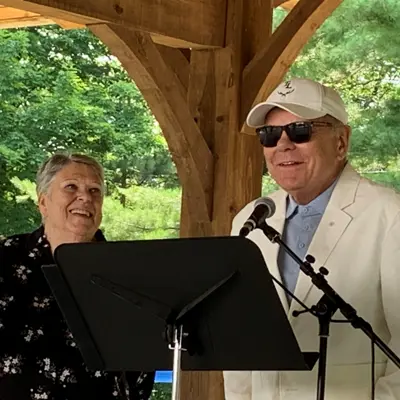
(73, 202)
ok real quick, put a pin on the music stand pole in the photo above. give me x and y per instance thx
(176, 374)
(324, 311)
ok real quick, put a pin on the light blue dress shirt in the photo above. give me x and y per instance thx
(300, 225)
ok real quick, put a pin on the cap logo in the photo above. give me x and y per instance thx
(288, 89)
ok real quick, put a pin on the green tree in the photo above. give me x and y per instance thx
(356, 51)
(162, 391)
(62, 90)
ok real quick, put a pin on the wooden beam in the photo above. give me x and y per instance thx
(166, 97)
(269, 66)
(9, 13)
(68, 24)
(257, 27)
(24, 22)
(175, 42)
(14, 18)
(193, 22)
(49, 12)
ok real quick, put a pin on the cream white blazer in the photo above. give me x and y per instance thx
(358, 240)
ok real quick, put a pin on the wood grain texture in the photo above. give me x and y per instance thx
(199, 22)
(214, 97)
(50, 12)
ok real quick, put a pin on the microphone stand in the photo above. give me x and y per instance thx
(329, 303)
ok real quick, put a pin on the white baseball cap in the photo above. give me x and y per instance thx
(304, 98)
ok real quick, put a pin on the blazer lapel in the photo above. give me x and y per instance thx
(332, 226)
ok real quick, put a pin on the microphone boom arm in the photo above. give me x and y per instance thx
(319, 280)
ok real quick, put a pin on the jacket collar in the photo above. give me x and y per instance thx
(332, 226)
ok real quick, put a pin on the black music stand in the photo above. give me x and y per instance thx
(210, 300)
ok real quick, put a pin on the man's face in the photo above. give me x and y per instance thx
(73, 203)
(305, 170)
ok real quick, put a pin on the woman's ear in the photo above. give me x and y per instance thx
(42, 204)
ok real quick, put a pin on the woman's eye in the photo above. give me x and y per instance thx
(95, 190)
(70, 186)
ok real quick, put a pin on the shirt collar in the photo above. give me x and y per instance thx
(38, 239)
(316, 206)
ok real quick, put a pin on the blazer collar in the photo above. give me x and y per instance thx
(332, 226)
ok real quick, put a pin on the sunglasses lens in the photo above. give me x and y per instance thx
(269, 135)
(299, 132)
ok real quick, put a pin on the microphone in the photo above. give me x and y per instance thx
(264, 208)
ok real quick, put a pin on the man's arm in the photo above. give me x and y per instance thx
(388, 386)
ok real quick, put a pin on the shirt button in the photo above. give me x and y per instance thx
(301, 245)
(307, 227)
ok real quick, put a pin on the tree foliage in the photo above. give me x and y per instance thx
(356, 51)
(61, 90)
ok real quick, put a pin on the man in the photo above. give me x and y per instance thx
(349, 224)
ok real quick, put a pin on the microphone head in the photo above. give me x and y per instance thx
(269, 203)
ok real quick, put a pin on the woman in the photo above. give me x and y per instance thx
(38, 356)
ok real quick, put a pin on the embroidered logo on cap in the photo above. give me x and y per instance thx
(289, 89)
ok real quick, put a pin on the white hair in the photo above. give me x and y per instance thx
(56, 163)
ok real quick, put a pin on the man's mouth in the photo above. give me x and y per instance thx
(80, 211)
(289, 163)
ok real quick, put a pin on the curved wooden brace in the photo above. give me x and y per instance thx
(166, 96)
(267, 69)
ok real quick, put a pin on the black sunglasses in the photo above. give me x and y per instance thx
(298, 132)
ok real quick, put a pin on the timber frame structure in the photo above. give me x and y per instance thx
(200, 65)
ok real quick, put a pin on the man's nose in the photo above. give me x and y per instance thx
(284, 143)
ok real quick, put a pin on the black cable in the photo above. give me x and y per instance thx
(306, 309)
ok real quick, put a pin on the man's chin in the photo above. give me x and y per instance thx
(290, 185)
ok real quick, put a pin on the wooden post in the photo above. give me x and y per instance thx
(214, 98)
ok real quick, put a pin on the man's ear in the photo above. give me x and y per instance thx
(343, 142)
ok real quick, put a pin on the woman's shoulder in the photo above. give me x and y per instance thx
(12, 242)
(15, 246)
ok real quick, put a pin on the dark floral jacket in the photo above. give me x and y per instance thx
(38, 356)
